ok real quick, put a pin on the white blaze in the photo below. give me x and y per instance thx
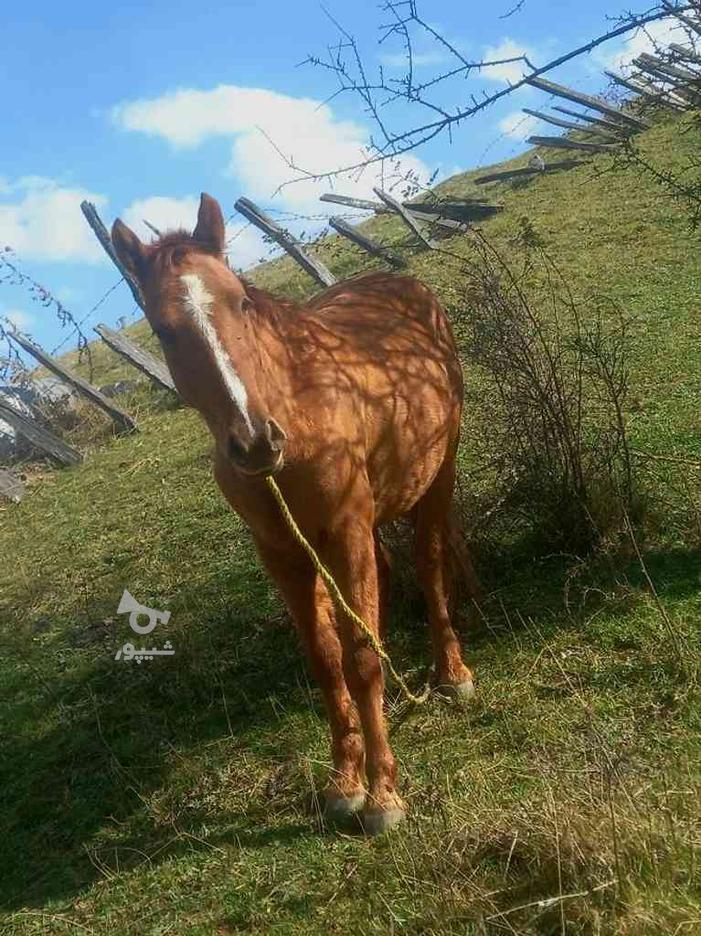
(198, 303)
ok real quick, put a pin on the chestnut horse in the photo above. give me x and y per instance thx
(353, 401)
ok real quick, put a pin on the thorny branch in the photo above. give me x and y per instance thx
(515, 9)
(377, 95)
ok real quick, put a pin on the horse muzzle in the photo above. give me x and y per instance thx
(261, 455)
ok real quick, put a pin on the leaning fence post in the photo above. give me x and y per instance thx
(649, 91)
(564, 143)
(11, 486)
(505, 174)
(597, 121)
(587, 100)
(610, 135)
(103, 235)
(154, 369)
(121, 419)
(366, 243)
(350, 202)
(406, 217)
(288, 243)
(40, 438)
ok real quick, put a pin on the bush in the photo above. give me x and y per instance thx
(546, 407)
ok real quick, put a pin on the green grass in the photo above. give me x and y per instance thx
(177, 796)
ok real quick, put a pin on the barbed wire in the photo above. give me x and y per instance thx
(12, 274)
(89, 314)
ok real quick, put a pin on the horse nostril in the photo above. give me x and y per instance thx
(237, 449)
(275, 435)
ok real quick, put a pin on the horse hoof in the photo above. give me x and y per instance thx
(377, 821)
(462, 692)
(340, 809)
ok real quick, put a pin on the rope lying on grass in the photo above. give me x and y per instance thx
(338, 598)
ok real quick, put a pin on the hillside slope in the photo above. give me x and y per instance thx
(174, 797)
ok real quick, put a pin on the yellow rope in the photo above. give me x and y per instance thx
(338, 597)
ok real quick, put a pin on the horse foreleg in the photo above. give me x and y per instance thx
(350, 553)
(313, 614)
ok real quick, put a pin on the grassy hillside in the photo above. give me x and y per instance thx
(177, 796)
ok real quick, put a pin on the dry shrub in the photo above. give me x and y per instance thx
(546, 401)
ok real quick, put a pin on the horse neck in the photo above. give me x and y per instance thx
(273, 330)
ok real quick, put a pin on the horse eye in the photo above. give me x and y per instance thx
(246, 304)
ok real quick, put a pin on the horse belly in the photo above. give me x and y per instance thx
(413, 441)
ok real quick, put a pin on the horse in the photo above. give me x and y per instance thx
(353, 401)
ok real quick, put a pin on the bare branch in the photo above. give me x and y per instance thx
(345, 62)
(513, 10)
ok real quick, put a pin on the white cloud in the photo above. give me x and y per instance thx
(268, 131)
(510, 72)
(162, 212)
(518, 126)
(651, 39)
(245, 244)
(41, 220)
(19, 318)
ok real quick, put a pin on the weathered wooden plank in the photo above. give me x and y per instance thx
(366, 243)
(40, 438)
(567, 124)
(679, 89)
(290, 244)
(406, 217)
(122, 420)
(685, 52)
(432, 221)
(349, 202)
(564, 143)
(154, 369)
(690, 21)
(440, 212)
(11, 486)
(682, 87)
(648, 90)
(100, 231)
(505, 174)
(586, 100)
(462, 211)
(674, 71)
(659, 74)
(599, 121)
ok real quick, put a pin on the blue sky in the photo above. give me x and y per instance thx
(140, 106)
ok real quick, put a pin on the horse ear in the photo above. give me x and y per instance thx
(129, 249)
(210, 229)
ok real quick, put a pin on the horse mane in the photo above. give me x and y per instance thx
(178, 242)
(266, 302)
(178, 237)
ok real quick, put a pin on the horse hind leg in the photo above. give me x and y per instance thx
(382, 558)
(432, 544)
